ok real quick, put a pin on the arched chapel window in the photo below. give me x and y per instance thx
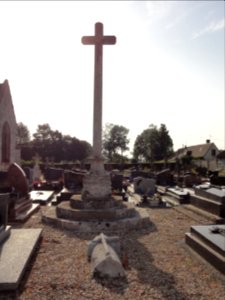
(6, 143)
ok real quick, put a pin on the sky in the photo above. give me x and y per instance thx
(167, 66)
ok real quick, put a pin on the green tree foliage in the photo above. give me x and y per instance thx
(153, 144)
(54, 146)
(115, 140)
(23, 134)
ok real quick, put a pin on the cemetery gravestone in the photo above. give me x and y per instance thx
(4, 229)
(20, 205)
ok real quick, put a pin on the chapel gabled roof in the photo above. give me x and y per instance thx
(6, 93)
(4, 88)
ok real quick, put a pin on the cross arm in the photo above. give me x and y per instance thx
(104, 40)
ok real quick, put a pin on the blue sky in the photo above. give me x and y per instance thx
(166, 67)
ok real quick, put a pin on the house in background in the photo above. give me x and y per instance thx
(8, 129)
(203, 155)
(221, 160)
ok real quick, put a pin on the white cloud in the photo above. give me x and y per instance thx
(212, 27)
(158, 9)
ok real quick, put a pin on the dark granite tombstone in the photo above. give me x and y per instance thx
(17, 179)
(4, 229)
(164, 178)
(53, 174)
(117, 182)
(215, 179)
(4, 184)
(29, 174)
(138, 173)
(73, 184)
(73, 180)
(20, 205)
(189, 180)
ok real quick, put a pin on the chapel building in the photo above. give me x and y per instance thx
(8, 129)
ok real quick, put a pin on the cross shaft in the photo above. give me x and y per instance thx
(98, 41)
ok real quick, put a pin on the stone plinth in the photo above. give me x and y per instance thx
(97, 190)
(96, 210)
(140, 219)
(72, 211)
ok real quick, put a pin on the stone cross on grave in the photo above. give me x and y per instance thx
(97, 188)
(98, 40)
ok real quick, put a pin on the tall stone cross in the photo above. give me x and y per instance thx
(98, 40)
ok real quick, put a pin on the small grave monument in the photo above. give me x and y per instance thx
(144, 186)
(36, 169)
(15, 183)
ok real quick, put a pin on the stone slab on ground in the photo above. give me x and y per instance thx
(42, 197)
(15, 255)
(180, 195)
(217, 239)
(211, 246)
(22, 217)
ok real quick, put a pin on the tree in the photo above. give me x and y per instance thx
(115, 140)
(43, 133)
(165, 142)
(23, 134)
(42, 141)
(52, 144)
(153, 144)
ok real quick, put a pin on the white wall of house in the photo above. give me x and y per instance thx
(212, 153)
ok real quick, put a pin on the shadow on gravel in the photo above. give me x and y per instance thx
(141, 259)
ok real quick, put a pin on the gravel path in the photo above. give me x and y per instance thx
(161, 266)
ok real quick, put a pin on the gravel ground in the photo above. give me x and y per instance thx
(161, 266)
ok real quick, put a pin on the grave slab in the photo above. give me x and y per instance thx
(209, 245)
(16, 253)
(24, 216)
(42, 197)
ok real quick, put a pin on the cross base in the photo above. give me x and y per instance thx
(97, 165)
(97, 186)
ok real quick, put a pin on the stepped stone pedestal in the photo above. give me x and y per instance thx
(75, 216)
